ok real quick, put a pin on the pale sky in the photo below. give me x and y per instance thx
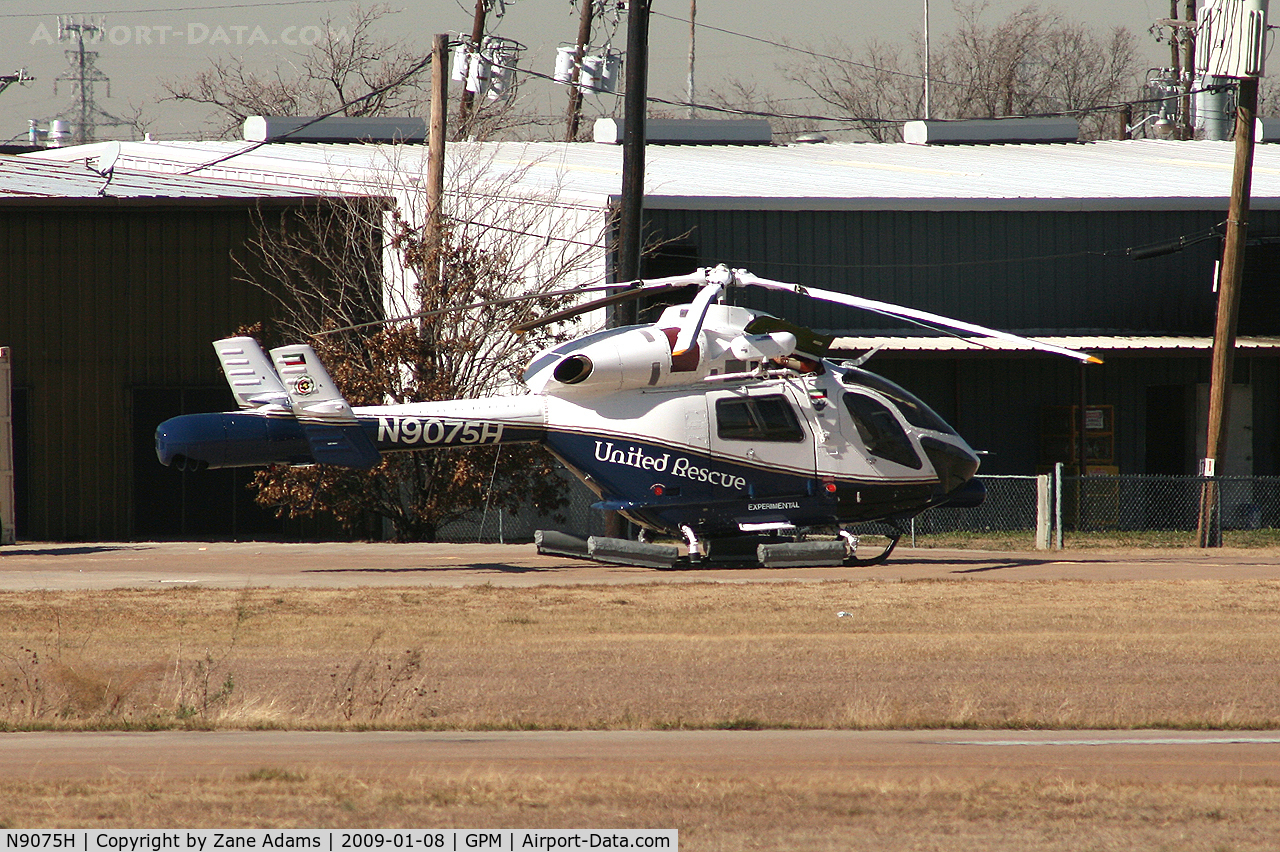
(150, 40)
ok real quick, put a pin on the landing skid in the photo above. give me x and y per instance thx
(880, 557)
(742, 551)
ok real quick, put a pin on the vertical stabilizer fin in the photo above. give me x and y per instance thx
(331, 427)
(249, 372)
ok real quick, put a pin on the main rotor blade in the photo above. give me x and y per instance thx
(911, 314)
(508, 300)
(584, 307)
(635, 290)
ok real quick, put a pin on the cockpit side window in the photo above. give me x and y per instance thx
(917, 413)
(881, 431)
(758, 418)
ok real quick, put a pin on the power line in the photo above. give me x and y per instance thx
(218, 6)
(414, 69)
(856, 64)
(1112, 107)
(1130, 253)
(784, 46)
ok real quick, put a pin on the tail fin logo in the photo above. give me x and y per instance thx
(304, 385)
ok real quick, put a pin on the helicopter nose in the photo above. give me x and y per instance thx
(954, 464)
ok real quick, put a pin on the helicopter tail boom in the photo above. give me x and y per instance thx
(254, 439)
(295, 414)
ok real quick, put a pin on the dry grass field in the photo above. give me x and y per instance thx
(1061, 655)
(1196, 654)
(712, 814)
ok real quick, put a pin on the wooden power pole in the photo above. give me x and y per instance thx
(628, 245)
(575, 75)
(435, 159)
(1224, 335)
(1188, 130)
(477, 41)
(693, 55)
(630, 223)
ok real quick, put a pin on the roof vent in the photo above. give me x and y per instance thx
(271, 128)
(992, 131)
(690, 131)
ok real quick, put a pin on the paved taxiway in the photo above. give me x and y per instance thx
(335, 565)
(1118, 756)
(1181, 757)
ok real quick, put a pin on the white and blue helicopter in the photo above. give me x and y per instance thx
(720, 425)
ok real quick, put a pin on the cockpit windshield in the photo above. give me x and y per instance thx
(917, 413)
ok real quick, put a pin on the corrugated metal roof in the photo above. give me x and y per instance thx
(1086, 343)
(1136, 174)
(27, 178)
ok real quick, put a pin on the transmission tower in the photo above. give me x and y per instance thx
(84, 113)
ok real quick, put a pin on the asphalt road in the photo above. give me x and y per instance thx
(1086, 755)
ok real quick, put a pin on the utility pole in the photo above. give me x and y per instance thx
(1188, 68)
(19, 76)
(84, 75)
(633, 141)
(1175, 60)
(693, 42)
(1224, 335)
(575, 75)
(435, 159)
(927, 105)
(477, 41)
(628, 245)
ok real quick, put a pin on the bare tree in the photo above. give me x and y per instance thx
(1033, 62)
(325, 265)
(350, 67)
(877, 88)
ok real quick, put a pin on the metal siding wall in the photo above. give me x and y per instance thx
(1009, 269)
(95, 303)
(995, 402)
(1265, 376)
(1015, 270)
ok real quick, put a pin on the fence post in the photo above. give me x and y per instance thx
(1057, 506)
(7, 521)
(1044, 511)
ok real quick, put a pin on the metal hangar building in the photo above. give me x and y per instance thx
(1107, 246)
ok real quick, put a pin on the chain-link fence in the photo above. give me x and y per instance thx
(1010, 505)
(495, 525)
(1125, 503)
(1120, 503)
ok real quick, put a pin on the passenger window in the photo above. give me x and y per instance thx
(881, 431)
(758, 418)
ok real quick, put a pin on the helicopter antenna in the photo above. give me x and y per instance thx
(865, 357)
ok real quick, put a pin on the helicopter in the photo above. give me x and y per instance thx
(720, 426)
